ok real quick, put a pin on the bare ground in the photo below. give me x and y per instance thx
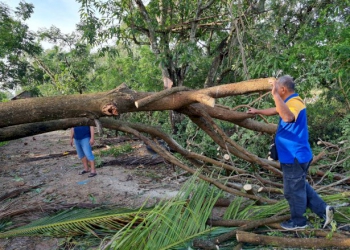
(48, 160)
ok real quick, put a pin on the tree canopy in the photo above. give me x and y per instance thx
(16, 43)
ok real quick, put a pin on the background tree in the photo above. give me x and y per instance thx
(135, 67)
(16, 43)
(205, 43)
(69, 67)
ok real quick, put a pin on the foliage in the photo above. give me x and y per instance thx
(181, 218)
(98, 161)
(241, 209)
(257, 145)
(165, 27)
(153, 118)
(78, 222)
(116, 151)
(3, 97)
(345, 125)
(324, 119)
(172, 224)
(4, 223)
(16, 43)
(68, 68)
(301, 39)
(137, 69)
(210, 43)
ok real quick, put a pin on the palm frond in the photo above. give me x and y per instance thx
(240, 208)
(173, 224)
(78, 222)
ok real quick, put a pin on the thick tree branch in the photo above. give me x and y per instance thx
(118, 101)
(258, 239)
(249, 226)
(158, 96)
(113, 125)
(252, 158)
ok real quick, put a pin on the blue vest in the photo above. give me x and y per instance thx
(292, 139)
(81, 132)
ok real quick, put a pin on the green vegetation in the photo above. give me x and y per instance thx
(116, 151)
(183, 220)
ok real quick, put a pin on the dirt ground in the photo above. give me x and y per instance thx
(48, 160)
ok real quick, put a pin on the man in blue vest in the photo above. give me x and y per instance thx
(294, 154)
(84, 139)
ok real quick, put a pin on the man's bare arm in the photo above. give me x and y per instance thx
(268, 112)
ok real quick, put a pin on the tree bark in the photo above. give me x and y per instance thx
(249, 225)
(270, 190)
(24, 130)
(311, 243)
(118, 101)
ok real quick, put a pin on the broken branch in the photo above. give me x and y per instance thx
(258, 239)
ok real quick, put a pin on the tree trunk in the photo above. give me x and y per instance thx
(118, 101)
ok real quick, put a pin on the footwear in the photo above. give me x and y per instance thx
(289, 225)
(329, 215)
(84, 172)
(92, 175)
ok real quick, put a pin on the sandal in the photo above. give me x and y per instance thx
(84, 172)
(92, 175)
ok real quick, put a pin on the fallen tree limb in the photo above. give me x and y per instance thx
(134, 161)
(222, 202)
(241, 223)
(314, 232)
(270, 190)
(318, 243)
(266, 181)
(158, 95)
(250, 225)
(204, 244)
(249, 189)
(169, 157)
(49, 156)
(237, 186)
(17, 192)
(226, 139)
(118, 101)
(335, 176)
(44, 207)
(318, 157)
(345, 180)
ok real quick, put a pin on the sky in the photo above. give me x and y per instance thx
(64, 14)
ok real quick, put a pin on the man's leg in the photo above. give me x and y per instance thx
(85, 164)
(317, 204)
(81, 155)
(89, 155)
(294, 182)
(92, 165)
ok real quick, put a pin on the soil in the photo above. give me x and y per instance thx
(47, 167)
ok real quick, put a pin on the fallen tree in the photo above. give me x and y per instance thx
(39, 115)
